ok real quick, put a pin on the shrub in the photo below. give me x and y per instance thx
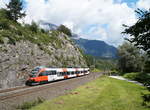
(146, 99)
(132, 76)
(96, 70)
(1, 40)
(28, 105)
(4, 24)
(34, 27)
(140, 77)
(144, 78)
(65, 30)
(114, 72)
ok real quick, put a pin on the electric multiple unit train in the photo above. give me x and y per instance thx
(41, 75)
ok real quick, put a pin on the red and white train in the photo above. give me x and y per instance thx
(41, 75)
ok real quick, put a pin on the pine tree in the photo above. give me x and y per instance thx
(15, 8)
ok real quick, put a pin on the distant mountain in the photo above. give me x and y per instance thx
(96, 48)
(75, 36)
(47, 26)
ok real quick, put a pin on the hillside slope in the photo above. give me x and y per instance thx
(96, 48)
(24, 47)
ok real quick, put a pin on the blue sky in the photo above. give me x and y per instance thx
(91, 19)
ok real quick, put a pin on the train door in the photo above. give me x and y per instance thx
(52, 75)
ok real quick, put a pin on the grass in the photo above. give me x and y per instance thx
(96, 70)
(102, 94)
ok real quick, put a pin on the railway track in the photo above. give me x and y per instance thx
(12, 89)
(13, 94)
(20, 91)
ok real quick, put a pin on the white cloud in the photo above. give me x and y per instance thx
(69, 24)
(3, 3)
(145, 4)
(81, 15)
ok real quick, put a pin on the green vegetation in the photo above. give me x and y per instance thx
(96, 70)
(15, 8)
(140, 37)
(140, 30)
(65, 30)
(99, 63)
(11, 32)
(140, 77)
(131, 76)
(28, 105)
(102, 94)
(130, 59)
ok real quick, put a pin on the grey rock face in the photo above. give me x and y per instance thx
(16, 61)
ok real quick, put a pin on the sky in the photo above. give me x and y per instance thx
(91, 19)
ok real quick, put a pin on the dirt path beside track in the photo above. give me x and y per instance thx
(9, 100)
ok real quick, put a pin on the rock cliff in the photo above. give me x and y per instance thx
(17, 60)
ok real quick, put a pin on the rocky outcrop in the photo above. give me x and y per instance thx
(16, 61)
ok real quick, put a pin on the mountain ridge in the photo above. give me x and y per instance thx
(96, 48)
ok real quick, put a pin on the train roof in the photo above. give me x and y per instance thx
(61, 69)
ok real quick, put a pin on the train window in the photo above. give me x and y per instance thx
(65, 73)
(53, 72)
(49, 73)
(72, 72)
(61, 73)
(68, 73)
(42, 74)
(34, 72)
(32, 75)
(36, 69)
(45, 73)
(77, 72)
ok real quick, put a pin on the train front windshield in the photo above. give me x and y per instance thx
(34, 72)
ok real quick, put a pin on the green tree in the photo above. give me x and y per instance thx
(4, 14)
(4, 19)
(140, 31)
(34, 27)
(15, 8)
(130, 59)
(90, 60)
(65, 30)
